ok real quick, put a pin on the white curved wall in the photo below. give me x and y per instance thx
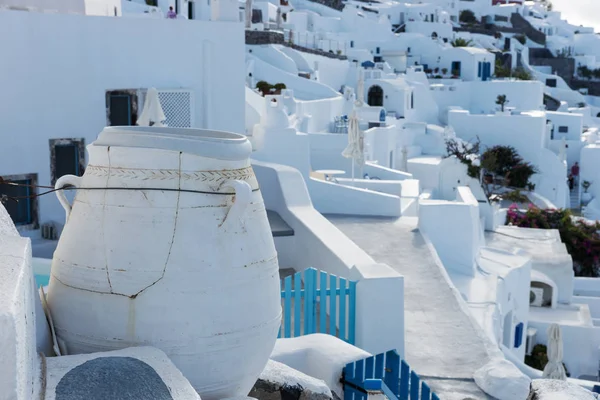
(275, 57)
(304, 89)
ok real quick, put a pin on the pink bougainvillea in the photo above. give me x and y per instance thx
(581, 239)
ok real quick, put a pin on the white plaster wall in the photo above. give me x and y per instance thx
(573, 122)
(480, 97)
(18, 362)
(319, 244)
(513, 296)
(586, 287)
(381, 143)
(469, 61)
(89, 57)
(452, 225)
(332, 72)
(452, 176)
(62, 6)
(275, 57)
(107, 8)
(286, 146)
(580, 346)
(319, 114)
(298, 20)
(428, 28)
(304, 89)
(524, 132)
(589, 167)
(551, 181)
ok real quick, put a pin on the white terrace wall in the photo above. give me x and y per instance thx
(319, 244)
(61, 6)
(480, 97)
(440, 220)
(17, 319)
(55, 81)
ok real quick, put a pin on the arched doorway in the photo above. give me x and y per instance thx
(375, 97)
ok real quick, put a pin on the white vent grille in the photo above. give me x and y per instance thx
(177, 104)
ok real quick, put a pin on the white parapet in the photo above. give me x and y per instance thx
(17, 318)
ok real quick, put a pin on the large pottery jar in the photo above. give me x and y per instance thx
(167, 244)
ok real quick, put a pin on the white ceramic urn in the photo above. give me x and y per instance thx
(167, 244)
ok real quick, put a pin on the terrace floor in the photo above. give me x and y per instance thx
(442, 342)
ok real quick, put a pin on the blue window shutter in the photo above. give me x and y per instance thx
(519, 335)
(479, 68)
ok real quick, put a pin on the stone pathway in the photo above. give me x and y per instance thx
(441, 341)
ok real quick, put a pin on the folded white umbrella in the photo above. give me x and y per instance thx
(248, 10)
(360, 88)
(152, 113)
(554, 369)
(355, 149)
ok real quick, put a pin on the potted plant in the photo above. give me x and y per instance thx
(444, 71)
(585, 196)
(501, 101)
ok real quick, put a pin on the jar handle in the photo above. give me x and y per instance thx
(243, 192)
(66, 180)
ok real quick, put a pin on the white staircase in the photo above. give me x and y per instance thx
(574, 196)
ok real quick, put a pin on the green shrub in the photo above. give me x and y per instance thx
(522, 74)
(539, 358)
(264, 87)
(516, 197)
(279, 86)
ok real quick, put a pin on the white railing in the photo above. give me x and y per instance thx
(311, 40)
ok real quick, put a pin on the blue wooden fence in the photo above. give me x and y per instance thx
(326, 304)
(385, 373)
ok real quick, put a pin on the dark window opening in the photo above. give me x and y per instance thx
(20, 204)
(456, 68)
(67, 157)
(375, 96)
(121, 107)
(563, 129)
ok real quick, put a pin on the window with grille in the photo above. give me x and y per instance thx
(177, 104)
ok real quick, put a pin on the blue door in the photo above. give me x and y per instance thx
(486, 71)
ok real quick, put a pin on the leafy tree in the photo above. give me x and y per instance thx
(466, 153)
(501, 101)
(467, 17)
(510, 164)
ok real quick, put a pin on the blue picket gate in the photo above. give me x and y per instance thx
(326, 304)
(385, 373)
